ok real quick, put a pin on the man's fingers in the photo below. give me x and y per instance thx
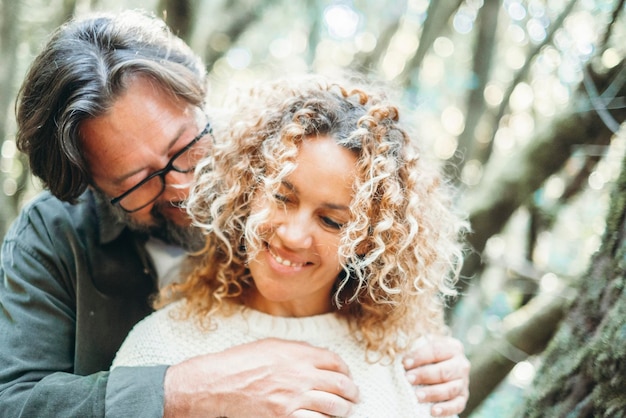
(332, 375)
(442, 392)
(447, 398)
(436, 363)
(287, 377)
(337, 384)
(439, 348)
(305, 413)
(302, 352)
(324, 359)
(325, 404)
(451, 407)
(441, 371)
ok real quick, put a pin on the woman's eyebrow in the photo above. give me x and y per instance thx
(335, 206)
(327, 205)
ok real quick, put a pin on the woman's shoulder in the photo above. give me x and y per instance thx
(160, 322)
(156, 338)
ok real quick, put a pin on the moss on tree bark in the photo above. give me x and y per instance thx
(583, 372)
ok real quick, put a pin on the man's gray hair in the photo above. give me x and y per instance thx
(82, 70)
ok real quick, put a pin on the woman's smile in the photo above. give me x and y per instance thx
(296, 270)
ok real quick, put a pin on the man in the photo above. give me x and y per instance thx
(111, 118)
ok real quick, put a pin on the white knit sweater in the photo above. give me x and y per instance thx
(162, 339)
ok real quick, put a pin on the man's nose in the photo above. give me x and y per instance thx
(177, 184)
(175, 178)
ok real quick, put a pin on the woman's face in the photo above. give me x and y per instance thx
(296, 269)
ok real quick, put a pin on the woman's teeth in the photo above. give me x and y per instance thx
(284, 262)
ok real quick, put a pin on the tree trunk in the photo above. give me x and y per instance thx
(241, 18)
(506, 188)
(484, 51)
(439, 12)
(525, 332)
(179, 15)
(583, 373)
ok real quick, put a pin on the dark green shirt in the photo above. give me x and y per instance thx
(73, 283)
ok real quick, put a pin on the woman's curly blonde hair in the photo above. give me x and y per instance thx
(400, 250)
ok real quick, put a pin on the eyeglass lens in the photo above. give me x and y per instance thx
(145, 194)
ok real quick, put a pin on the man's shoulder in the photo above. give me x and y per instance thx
(46, 204)
(47, 211)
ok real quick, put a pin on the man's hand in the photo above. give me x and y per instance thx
(442, 370)
(266, 378)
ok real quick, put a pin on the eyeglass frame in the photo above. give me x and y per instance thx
(208, 129)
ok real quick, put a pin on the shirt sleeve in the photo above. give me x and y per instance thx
(135, 392)
(37, 337)
(36, 349)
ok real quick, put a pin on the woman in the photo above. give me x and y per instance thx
(323, 224)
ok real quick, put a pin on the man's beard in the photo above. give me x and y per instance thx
(187, 237)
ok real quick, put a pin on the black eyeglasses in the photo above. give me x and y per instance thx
(149, 189)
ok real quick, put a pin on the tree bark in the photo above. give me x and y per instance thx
(179, 16)
(509, 185)
(241, 18)
(524, 333)
(583, 373)
(484, 51)
(365, 63)
(437, 16)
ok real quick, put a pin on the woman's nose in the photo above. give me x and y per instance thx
(295, 231)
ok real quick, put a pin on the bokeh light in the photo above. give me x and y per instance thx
(341, 20)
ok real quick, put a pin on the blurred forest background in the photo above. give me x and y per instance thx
(523, 102)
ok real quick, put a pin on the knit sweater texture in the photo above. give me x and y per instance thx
(164, 338)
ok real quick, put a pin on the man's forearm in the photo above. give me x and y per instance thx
(135, 392)
(58, 394)
(125, 392)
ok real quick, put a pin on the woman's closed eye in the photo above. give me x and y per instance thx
(330, 223)
(281, 198)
